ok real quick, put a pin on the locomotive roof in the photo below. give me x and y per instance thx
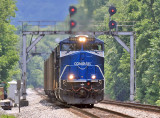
(67, 40)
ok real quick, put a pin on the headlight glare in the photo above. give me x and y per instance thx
(93, 76)
(71, 77)
(82, 39)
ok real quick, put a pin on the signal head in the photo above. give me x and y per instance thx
(72, 10)
(72, 24)
(112, 24)
(112, 10)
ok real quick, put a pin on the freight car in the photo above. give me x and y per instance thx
(74, 72)
(1, 93)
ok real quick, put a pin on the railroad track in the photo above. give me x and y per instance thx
(88, 112)
(113, 112)
(71, 108)
(134, 105)
(98, 112)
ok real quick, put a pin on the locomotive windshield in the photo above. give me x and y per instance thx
(77, 47)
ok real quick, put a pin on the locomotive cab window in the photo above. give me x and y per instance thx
(78, 47)
(66, 47)
(70, 47)
(93, 47)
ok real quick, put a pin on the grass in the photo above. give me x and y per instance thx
(7, 116)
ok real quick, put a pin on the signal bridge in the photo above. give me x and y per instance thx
(40, 33)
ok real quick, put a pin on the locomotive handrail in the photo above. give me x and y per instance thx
(60, 79)
(102, 74)
(100, 71)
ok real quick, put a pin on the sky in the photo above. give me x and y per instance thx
(42, 10)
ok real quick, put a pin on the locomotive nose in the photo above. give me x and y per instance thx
(83, 93)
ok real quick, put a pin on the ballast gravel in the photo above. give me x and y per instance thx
(130, 111)
(40, 108)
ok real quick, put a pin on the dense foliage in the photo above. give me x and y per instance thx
(8, 41)
(117, 60)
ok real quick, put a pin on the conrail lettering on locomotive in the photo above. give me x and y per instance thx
(82, 63)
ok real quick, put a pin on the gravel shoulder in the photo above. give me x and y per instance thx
(39, 108)
(130, 111)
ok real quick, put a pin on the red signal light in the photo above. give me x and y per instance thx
(112, 10)
(72, 24)
(72, 10)
(112, 24)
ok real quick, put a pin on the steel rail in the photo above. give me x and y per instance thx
(84, 112)
(134, 105)
(113, 112)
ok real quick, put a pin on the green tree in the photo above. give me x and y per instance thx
(8, 40)
(146, 13)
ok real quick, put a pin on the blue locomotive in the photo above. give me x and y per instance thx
(74, 72)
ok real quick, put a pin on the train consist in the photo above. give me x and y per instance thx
(74, 72)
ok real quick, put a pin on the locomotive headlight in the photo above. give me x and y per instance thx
(71, 77)
(82, 39)
(93, 76)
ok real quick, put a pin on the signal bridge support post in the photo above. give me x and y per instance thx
(26, 50)
(24, 67)
(132, 68)
(131, 51)
(24, 102)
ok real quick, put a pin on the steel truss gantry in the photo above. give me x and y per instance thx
(41, 34)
